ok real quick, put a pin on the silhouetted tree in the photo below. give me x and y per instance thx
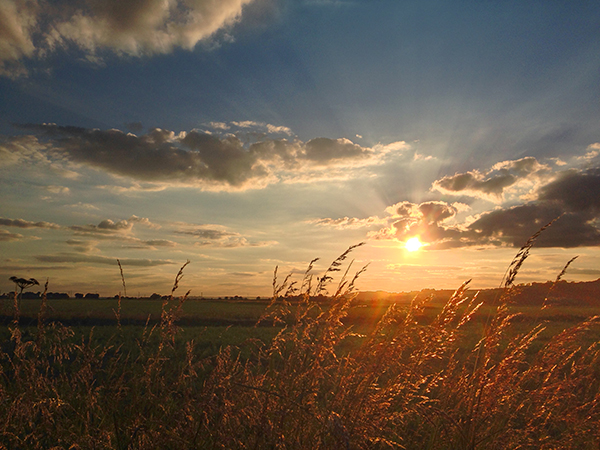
(23, 283)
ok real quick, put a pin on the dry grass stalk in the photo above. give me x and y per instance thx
(405, 382)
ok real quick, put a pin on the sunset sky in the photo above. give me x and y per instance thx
(242, 135)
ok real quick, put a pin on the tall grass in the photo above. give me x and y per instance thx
(319, 384)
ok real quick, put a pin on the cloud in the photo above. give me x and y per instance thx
(324, 150)
(17, 20)
(257, 127)
(576, 191)
(143, 221)
(110, 227)
(151, 244)
(571, 195)
(348, 222)
(88, 259)
(514, 226)
(20, 223)
(21, 150)
(88, 246)
(593, 151)
(208, 233)
(219, 236)
(160, 243)
(493, 184)
(7, 236)
(34, 28)
(83, 246)
(63, 190)
(205, 160)
(233, 242)
(219, 125)
(28, 151)
(106, 226)
(84, 206)
(426, 220)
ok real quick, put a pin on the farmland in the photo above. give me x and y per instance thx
(515, 367)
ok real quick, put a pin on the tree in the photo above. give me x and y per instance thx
(23, 283)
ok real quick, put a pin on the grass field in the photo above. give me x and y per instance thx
(504, 369)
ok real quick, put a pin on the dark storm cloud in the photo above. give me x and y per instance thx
(199, 158)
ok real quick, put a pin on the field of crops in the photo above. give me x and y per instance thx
(512, 368)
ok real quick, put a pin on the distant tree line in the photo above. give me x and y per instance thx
(49, 295)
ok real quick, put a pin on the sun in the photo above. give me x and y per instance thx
(413, 244)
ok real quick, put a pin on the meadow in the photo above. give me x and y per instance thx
(315, 367)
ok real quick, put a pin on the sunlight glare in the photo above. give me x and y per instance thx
(413, 244)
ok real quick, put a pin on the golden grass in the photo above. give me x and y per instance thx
(401, 384)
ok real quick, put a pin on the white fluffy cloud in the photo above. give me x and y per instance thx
(32, 28)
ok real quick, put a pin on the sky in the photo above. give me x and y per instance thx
(249, 135)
